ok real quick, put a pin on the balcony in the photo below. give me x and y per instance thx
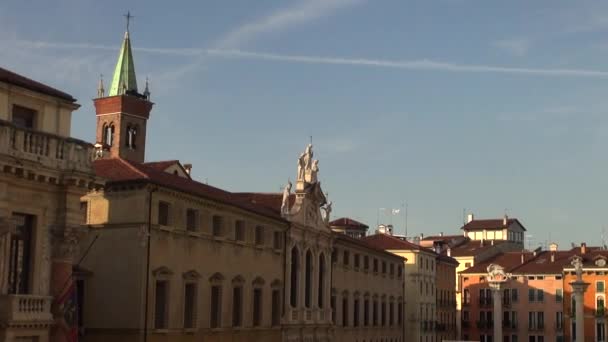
(30, 309)
(53, 151)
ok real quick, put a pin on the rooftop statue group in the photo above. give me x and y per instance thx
(308, 169)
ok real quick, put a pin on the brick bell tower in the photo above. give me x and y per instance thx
(122, 114)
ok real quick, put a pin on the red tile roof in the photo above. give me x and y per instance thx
(24, 82)
(348, 223)
(121, 170)
(508, 260)
(474, 247)
(385, 241)
(364, 243)
(441, 237)
(270, 200)
(162, 165)
(490, 224)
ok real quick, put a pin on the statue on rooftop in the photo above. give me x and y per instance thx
(305, 162)
(285, 202)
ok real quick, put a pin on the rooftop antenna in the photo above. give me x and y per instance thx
(604, 238)
(405, 218)
(464, 216)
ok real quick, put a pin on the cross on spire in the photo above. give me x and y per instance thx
(128, 16)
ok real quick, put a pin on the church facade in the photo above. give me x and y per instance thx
(175, 259)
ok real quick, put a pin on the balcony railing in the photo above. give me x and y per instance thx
(48, 149)
(25, 308)
(485, 301)
(465, 324)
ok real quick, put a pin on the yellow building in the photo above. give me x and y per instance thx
(44, 172)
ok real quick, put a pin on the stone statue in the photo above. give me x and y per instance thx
(285, 202)
(98, 151)
(313, 171)
(305, 162)
(496, 273)
(577, 262)
(327, 209)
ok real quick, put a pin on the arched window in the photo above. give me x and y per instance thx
(295, 260)
(130, 137)
(308, 280)
(321, 280)
(600, 304)
(108, 134)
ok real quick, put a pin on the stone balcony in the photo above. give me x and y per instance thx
(50, 150)
(25, 309)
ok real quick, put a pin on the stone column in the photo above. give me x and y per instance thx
(497, 299)
(578, 290)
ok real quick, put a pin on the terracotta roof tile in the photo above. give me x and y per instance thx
(508, 260)
(161, 165)
(348, 222)
(474, 247)
(27, 83)
(364, 243)
(121, 170)
(384, 241)
(270, 200)
(490, 224)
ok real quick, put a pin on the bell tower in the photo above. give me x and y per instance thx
(122, 115)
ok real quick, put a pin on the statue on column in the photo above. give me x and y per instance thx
(496, 273)
(285, 202)
(327, 208)
(577, 262)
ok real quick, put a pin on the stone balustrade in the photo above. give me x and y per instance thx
(25, 308)
(53, 151)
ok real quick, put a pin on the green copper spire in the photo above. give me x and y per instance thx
(124, 75)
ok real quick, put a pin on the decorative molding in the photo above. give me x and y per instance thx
(191, 275)
(162, 271)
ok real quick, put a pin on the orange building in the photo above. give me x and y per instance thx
(446, 298)
(595, 273)
(532, 300)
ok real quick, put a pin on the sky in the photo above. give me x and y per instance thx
(450, 106)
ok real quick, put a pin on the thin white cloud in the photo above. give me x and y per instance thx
(422, 64)
(302, 12)
(516, 46)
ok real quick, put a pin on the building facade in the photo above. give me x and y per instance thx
(44, 174)
(349, 227)
(194, 262)
(445, 298)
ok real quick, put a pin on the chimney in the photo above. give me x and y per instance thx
(553, 247)
(421, 236)
(523, 258)
(505, 220)
(470, 218)
(188, 168)
(449, 252)
(492, 242)
(552, 257)
(583, 248)
(441, 234)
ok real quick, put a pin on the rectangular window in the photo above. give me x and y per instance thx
(257, 307)
(391, 314)
(163, 213)
(190, 305)
(400, 313)
(600, 333)
(239, 230)
(277, 240)
(276, 308)
(514, 295)
(20, 254)
(375, 313)
(531, 294)
(366, 263)
(559, 295)
(599, 286)
(344, 311)
(191, 220)
(85, 212)
(559, 320)
(383, 313)
(216, 225)
(333, 309)
(346, 258)
(357, 261)
(540, 320)
(540, 295)
(366, 312)
(160, 305)
(23, 117)
(376, 265)
(215, 313)
(466, 297)
(391, 269)
(531, 320)
(259, 236)
(237, 306)
(399, 271)
(356, 313)
(384, 267)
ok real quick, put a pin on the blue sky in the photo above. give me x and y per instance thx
(445, 104)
